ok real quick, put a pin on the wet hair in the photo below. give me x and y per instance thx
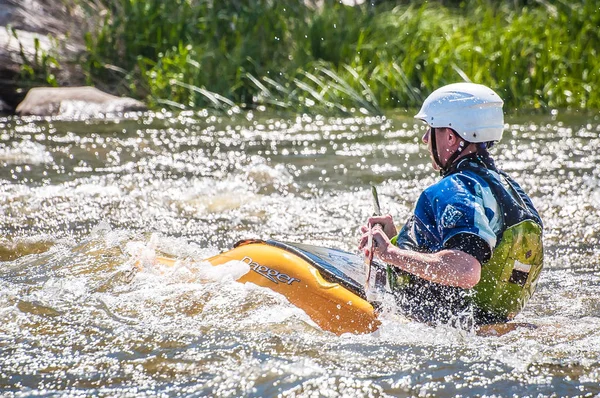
(484, 146)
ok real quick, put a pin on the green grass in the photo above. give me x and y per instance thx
(281, 54)
(37, 67)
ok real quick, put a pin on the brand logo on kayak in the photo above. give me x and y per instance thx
(271, 274)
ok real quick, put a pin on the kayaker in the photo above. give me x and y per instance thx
(449, 262)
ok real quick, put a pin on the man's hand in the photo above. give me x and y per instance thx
(386, 223)
(381, 242)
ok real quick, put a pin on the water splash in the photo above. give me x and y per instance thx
(91, 200)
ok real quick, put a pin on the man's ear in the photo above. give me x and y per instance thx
(453, 138)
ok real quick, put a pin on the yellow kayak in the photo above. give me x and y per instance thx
(326, 283)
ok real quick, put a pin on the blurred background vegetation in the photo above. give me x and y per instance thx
(325, 56)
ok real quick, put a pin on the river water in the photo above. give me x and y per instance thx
(81, 202)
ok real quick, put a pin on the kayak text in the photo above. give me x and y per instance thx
(271, 274)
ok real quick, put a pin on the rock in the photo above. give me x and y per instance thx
(4, 108)
(75, 102)
(46, 17)
(19, 48)
(33, 29)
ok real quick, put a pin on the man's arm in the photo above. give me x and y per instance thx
(448, 267)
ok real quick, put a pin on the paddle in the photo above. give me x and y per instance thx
(370, 242)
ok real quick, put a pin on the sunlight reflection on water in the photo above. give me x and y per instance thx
(81, 202)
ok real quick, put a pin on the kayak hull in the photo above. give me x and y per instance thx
(331, 302)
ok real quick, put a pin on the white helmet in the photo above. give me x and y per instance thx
(472, 110)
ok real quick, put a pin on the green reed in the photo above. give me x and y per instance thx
(282, 54)
(37, 67)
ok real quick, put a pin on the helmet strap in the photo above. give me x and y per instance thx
(434, 151)
(461, 148)
(436, 157)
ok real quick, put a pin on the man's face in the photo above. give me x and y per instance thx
(447, 143)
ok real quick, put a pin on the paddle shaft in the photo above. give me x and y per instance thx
(371, 244)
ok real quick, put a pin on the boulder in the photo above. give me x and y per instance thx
(45, 17)
(33, 29)
(76, 102)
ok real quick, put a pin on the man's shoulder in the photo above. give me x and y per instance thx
(461, 181)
